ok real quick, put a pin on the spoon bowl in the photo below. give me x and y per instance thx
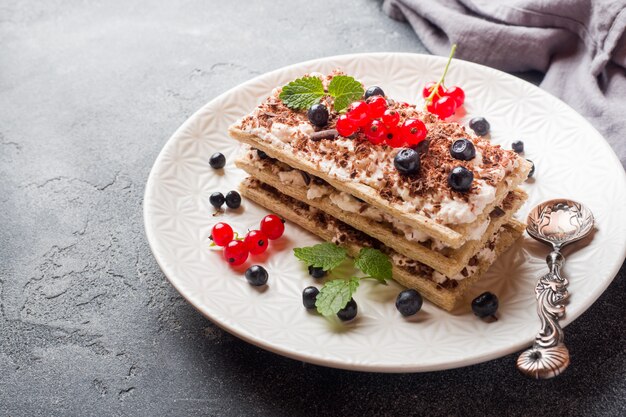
(559, 222)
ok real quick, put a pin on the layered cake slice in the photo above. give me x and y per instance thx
(446, 292)
(437, 199)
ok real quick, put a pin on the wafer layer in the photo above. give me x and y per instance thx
(408, 272)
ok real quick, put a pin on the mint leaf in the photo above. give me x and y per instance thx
(374, 263)
(324, 255)
(302, 93)
(334, 295)
(344, 89)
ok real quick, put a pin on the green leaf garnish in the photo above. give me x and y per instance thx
(324, 255)
(302, 93)
(374, 263)
(344, 89)
(335, 294)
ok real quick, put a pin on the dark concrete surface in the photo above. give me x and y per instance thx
(89, 93)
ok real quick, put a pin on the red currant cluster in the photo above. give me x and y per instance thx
(442, 102)
(236, 250)
(380, 124)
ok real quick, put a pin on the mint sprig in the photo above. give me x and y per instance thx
(302, 93)
(335, 294)
(324, 255)
(344, 89)
(374, 263)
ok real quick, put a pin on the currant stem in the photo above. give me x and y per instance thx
(443, 76)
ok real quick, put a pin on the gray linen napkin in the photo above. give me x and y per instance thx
(580, 45)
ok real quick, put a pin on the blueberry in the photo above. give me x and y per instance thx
(216, 200)
(349, 311)
(479, 125)
(373, 91)
(256, 275)
(460, 179)
(422, 147)
(407, 161)
(316, 272)
(233, 199)
(485, 305)
(217, 160)
(318, 115)
(261, 154)
(518, 146)
(532, 168)
(409, 302)
(463, 149)
(309, 296)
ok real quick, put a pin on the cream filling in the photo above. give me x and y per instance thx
(371, 172)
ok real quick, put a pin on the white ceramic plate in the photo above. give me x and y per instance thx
(572, 160)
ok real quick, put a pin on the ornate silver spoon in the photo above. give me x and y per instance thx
(556, 223)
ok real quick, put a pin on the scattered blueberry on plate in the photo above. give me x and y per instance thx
(349, 311)
(480, 126)
(518, 146)
(485, 305)
(409, 302)
(316, 272)
(217, 200)
(233, 199)
(256, 275)
(309, 296)
(217, 160)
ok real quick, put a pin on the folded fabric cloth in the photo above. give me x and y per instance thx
(580, 45)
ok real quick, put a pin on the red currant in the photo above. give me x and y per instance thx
(457, 94)
(221, 234)
(256, 241)
(394, 138)
(391, 118)
(345, 127)
(272, 226)
(413, 131)
(376, 132)
(444, 107)
(376, 106)
(358, 113)
(236, 252)
(428, 89)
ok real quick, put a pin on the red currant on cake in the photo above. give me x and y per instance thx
(345, 127)
(393, 138)
(376, 132)
(376, 106)
(358, 113)
(236, 252)
(439, 100)
(273, 226)
(221, 234)
(391, 118)
(413, 131)
(256, 241)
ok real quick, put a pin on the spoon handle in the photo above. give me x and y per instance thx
(548, 356)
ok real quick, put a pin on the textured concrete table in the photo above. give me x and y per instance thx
(89, 93)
